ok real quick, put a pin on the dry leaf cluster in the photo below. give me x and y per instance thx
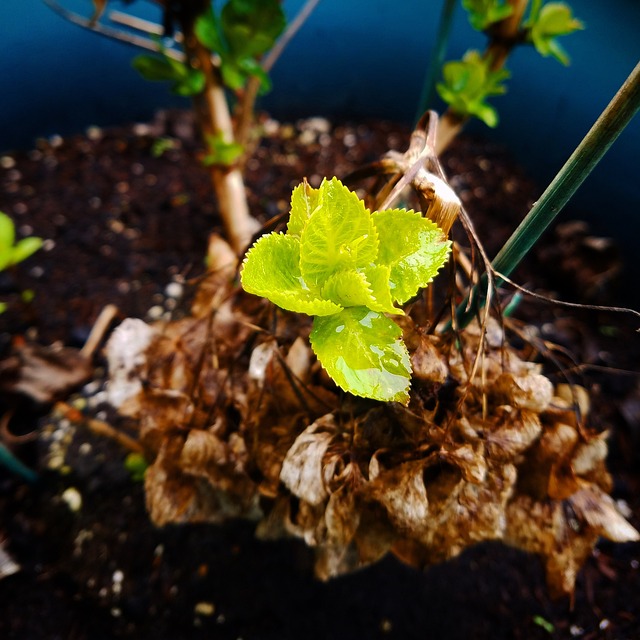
(239, 420)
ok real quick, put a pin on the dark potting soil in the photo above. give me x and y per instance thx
(121, 222)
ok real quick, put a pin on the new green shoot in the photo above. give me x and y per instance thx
(349, 268)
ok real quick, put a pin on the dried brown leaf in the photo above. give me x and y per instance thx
(43, 373)
(302, 469)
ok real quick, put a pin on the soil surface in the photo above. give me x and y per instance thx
(124, 224)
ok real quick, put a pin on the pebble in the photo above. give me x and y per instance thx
(349, 140)
(155, 312)
(204, 609)
(56, 141)
(319, 125)
(575, 630)
(7, 162)
(270, 127)
(94, 133)
(85, 449)
(141, 129)
(73, 498)
(174, 290)
(48, 244)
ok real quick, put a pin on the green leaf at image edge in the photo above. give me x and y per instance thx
(363, 352)
(25, 248)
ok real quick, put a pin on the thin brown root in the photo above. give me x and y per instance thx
(99, 427)
(99, 330)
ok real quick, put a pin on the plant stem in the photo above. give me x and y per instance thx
(437, 57)
(502, 38)
(247, 105)
(618, 113)
(212, 112)
(8, 460)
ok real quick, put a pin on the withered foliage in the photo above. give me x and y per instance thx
(239, 420)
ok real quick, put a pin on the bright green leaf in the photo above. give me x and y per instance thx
(338, 236)
(379, 279)
(352, 289)
(25, 248)
(549, 22)
(414, 249)
(304, 201)
(483, 13)
(362, 350)
(7, 232)
(271, 269)
(468, 83)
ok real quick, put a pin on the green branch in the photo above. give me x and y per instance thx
(617, 115)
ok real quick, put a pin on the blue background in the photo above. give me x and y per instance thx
(353, 58)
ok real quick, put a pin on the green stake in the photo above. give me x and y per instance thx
(595, 144)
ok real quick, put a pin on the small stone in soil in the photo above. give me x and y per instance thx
(73, 499)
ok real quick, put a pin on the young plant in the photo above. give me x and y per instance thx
(222, 50)
(349, 267)
(12, 252)
(467, 83)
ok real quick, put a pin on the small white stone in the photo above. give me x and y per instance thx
(94, 133)
(73, 499)
(7, 162)
(141, 129)
(155, 312)
(174, 290)
(85, 449)
(56, 141)
(350, 140)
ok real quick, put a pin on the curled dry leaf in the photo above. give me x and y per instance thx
(43, 373)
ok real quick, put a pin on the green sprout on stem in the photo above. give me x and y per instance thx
(468, 83)
(12, 252)
(185, 80)
(243, 31)
(349, 267)
(546, 24)
(221, 152)
(484, 13)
